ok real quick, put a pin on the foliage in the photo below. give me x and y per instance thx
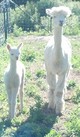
(73, 125)
(23, 18)
(23, 2)
(71, 84)
(76, 55)
(72, 26)
(17, 31)
(32, 17)
(53, 133)
(76, 97)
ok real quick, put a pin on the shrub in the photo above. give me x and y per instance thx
(32, 17)
(23, 18)
(17, 31)
(72, 27)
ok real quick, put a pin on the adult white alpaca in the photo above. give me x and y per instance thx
(14, 79)
(58, 59)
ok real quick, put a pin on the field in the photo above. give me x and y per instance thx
(36, 120)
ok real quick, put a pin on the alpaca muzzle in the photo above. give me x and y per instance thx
(16, 58)
(61, 23)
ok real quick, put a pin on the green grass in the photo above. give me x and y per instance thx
(36, 120)
(76, 55)
(73, 125)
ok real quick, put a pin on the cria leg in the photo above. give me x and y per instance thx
(9, 100)
(13, 102)
(21, 92)
(51, 79)
(21, 97)
(59, 94)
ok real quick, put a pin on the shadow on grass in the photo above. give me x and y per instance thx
(39, 122)
(4, 124)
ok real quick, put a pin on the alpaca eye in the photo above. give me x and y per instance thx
(12, 54)
(54, 16)
(64, 16)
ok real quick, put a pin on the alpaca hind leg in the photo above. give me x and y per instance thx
(51, 79)
(21, 91)
(21, 97)
(59, 94)
(13, 102)
(9, 100)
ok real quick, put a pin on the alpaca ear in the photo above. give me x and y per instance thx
(20, 46)
(51, 11)
(68, 11)
(8, 47)
(48, 12)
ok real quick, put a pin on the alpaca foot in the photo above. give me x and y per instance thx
(51, 107)
(59, 114)
(59, 109)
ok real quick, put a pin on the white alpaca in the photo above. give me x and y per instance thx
(58, 59)
(14, 79)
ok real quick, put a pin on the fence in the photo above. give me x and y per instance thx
(6, 16)
(4, 20)
(1, 24)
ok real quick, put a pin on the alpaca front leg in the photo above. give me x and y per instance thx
(51, 104)
(60, 103)
(59, 94)
(13, 102)
(51, 79)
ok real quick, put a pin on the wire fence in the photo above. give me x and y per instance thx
(2, 37)
(4, 20)
(6, 17)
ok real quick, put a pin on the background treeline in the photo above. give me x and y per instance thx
(23, 2)
(29, 15)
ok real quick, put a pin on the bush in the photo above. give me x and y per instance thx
(32, 17)
(22, 17)
(72, 27)
(17, 31)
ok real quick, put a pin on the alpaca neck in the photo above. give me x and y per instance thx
(58, 32)
(13, 66)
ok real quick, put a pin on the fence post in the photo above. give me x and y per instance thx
(5, 10)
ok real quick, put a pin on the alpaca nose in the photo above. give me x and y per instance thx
(16, 58)
(61, 22)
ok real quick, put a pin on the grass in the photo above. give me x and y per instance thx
(36, 120)
(73, 125)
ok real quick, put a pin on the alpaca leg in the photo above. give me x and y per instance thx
(67, 75)
(21, 97)
(9, 100)
(59, 94)
(51, 79)
(21, 92)
(13, 102)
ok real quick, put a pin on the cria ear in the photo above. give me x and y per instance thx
(69, 13)
(8, 47)
(20, 46)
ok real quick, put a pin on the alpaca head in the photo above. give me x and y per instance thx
(59, 14)
(14, 52)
